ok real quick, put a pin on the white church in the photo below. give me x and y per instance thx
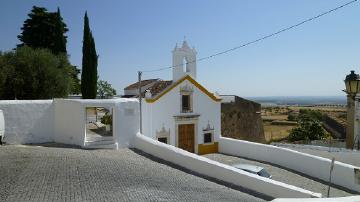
(180, 112)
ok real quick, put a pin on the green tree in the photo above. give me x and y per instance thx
(314, 114)
(59, 33)
(105, 89)
(33, 74)
(44, 29)
(75, 88)
(309, 129)
(89, 63)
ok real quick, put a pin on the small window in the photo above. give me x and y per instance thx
(207, 138)
(162, 139)
(186, 103)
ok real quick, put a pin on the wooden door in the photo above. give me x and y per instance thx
(186, 137)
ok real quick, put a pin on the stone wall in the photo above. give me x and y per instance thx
(337, 129)
(242, 120)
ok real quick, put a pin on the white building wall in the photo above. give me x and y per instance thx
(28, 121)
(161, 113)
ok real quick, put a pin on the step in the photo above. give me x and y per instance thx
(99, 138)
(100, 145)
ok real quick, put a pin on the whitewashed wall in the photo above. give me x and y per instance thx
(317, 167)
(161, 113)
(126, 121)
(28, 121)
(70, 118)
(69, 122)
(219, 171)
(63, 120)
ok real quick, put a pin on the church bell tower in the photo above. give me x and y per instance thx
(184, 61)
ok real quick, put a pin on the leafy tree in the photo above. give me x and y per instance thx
(309, 129)
(75, 81)
(105, 89)
(44, 29)
(314, 114)
(89, 63)
(59, 31)
(34, 74)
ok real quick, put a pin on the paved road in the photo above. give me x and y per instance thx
(34, 173)
(282, 175)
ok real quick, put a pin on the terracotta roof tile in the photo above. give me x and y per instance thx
(143, 83)
(159, 86)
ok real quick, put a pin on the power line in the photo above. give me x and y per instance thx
(259, 39)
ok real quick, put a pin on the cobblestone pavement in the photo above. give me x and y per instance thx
(283, 175)
(37, 173)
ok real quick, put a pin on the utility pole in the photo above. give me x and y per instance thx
(139, 77)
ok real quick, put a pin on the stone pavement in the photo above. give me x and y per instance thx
(38, 173)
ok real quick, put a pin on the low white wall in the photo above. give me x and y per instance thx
(218, 170)
(28, 121)
(2, 125)
(69, 123)
(63, 120)
(317, 167)
(340, 199)
(127, 121)
(315, 147)
(70, 118)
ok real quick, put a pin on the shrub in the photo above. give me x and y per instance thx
(107, 119)
(309, 129)
(292, 117)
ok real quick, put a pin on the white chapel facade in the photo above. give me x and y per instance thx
(181, 112)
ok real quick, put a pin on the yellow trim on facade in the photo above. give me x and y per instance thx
(187, 77)
(208, 148)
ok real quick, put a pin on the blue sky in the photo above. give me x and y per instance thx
(130, 35)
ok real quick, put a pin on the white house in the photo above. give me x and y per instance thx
(181, 112)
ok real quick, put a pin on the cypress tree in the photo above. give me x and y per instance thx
(89, 63)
